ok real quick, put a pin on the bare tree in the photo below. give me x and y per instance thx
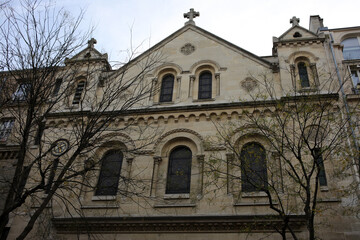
(297, 151)
(42, 84)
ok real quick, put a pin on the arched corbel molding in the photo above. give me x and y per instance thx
(293, 56)
(167, 67)
(183, 133)
(203, 63)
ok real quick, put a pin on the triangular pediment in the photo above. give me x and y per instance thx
(90, 53)
(297, 33)
(206, 44)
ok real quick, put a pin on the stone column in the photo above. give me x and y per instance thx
(191, 86)
(129, 162)
(153, 90)
(200, 159)
(154, 180)
(217, 77)
(178, 87)
(229, 181)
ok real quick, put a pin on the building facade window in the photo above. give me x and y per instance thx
(355, 76)
(78, 92)
(303, 75)
(253, 168)
(109, 173)
(205, 85)
(351, 48)
(5, 129)
(179, 171)
(319, 161)
(21, 92)
(167, 87)
(57, 86)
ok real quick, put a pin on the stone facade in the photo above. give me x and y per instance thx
(208, 210)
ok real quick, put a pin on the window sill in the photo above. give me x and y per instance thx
(177, 196)
(253, 194)
(324, 188)
(164, 103)
(174, 205)
(103, 198)
(240, 204)
(308, 90)
(204, 100)
(99, 207)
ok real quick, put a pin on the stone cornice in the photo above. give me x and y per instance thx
(188, 224)
(198, 107)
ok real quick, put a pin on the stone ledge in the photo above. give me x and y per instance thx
(176, 224)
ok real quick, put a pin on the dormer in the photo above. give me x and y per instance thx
(90, 54)
(296, 35)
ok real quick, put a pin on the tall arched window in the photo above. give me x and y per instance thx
(179, 171)
(253, 168)
(303, 74)
(78, 92)
(205, 85)
(351, 48)
(167, 86)
(109, 174)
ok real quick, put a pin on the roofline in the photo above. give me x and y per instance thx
(344, 28)
(198, 28)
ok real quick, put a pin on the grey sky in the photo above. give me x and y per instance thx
(249, 24)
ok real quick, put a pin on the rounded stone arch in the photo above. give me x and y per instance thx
(295, 56)
(249, 133)
(205, 80)
(177, 137)
(110, 146)
(117, 139)
(167, 67)
(205, 64)
(344, 36)
(166, 77)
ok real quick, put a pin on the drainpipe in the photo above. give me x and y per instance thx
(352, 132)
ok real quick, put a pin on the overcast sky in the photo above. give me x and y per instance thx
(249, 24)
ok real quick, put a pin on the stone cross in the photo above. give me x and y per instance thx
(91, 42)
(295, 21)
(191, 15)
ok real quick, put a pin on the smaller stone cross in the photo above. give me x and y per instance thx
(191, 15)
(91, 43)
(295, 21)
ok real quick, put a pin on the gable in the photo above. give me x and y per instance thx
(207, 46)
(297, 33)
(89, 54)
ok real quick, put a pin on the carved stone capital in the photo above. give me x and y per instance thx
(217, 76)
(157, 160)
(230, 156)
(200, 157)
(129, 160)
(192, 78)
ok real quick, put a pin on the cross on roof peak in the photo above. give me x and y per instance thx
(191, 15)
(91, 42)
(295, 21)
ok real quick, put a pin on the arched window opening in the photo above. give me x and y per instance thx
(351, 48)
(321, 168)
(297, 34)
(303, 74)
(167, 86)
(205, 85)
(253, 168)
(78, 92)
(179, 171)
(109, 174)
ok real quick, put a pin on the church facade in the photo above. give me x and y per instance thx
(194, 156)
